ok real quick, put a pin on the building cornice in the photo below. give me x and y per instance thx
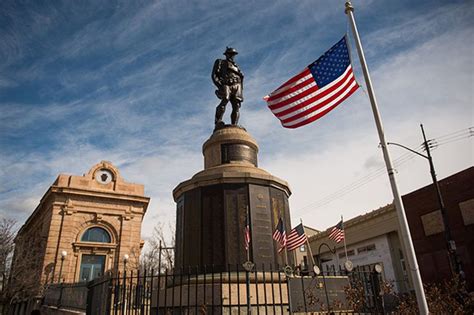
(352, 223)
(101, 194)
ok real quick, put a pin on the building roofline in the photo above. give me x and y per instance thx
(360, 218)
(77, 191)
(389, 207)
(443, 181)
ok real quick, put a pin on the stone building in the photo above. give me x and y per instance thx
(374, 238)
(83, 226)
(371, 238)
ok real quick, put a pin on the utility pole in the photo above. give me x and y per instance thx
(451, 245)
(454, 263)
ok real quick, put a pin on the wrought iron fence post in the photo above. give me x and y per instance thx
(60, 294)
(248, 266)
(109, 293)
(247, 282)
(90, 296)
(124, 291)
(324, 277)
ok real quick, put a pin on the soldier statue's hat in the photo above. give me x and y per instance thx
(230, 51)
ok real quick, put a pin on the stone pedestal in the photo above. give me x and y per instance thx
(263, 292)
(224, 293)
(212, 207)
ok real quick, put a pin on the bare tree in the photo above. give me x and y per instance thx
(159, 250)
(7, 237)
(26, 266)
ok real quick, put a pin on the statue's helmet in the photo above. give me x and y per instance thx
(230, 51)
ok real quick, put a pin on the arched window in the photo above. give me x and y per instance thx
(96, 234)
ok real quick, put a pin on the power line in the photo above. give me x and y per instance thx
(359, 182)
(400, 160)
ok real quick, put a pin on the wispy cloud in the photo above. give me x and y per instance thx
(130, 82)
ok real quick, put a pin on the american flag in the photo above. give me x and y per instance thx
(296, 238)
(317, 90)
(337, 233)
(247, 234)
(280, 235)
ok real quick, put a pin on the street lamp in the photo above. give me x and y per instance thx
(347, 265)
(63, 256)
(451, 245)
(125, 260)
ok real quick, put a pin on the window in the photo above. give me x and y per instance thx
(96, 234)
(349, 253)
(92, 266)
(302, 248)
(367, 248)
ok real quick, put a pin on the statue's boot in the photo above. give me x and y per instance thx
(220, 110)
(234, 117)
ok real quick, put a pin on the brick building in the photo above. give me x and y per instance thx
(374, 237)
(83, 226)
(427, 228)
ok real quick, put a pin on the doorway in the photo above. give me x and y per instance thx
(92, 266)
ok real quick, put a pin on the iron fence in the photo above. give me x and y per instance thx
(67, 295)
(230, 290)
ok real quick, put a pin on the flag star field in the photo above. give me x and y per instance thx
(330, 65)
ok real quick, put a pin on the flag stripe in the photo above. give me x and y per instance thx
(335, 93)
(296, 243)
(317, 90)
(297, 237)
(305, 74)
(280, 235)
(320, 97)
(247, 237)
(295, 97)
(337, 232)
(313, 111)
(292, 94)
(321, 114)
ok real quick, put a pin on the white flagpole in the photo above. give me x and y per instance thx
(285, 249)
(309, 247)
(248, 227)
(405, 230)
(344, 239)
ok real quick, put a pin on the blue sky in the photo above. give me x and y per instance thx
(129, 82)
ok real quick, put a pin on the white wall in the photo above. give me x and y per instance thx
(380, 255)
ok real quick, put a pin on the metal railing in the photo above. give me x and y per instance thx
(67, 295)
(219, 290)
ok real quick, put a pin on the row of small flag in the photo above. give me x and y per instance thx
(297, 236)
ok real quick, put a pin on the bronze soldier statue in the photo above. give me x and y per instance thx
(228, 78)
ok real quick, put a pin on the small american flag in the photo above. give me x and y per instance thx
(337, 232)
(280, 235)
(296, 238)
(317, 90)
(247, 234)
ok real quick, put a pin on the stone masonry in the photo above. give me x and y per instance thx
(73, 204)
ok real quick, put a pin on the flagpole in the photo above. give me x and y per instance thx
(284, 249)
(248, 227)
(309, 247)
(405, 230)
(344, 239)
